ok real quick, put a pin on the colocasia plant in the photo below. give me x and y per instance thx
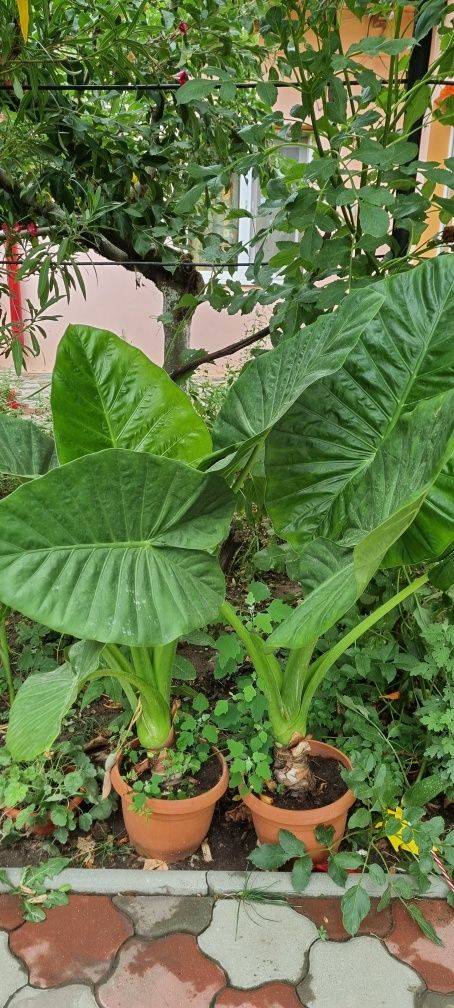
(117, 544)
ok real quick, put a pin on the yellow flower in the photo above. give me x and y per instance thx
(396, 838)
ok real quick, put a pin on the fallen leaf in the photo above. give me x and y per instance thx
(238, 814)
(86, 847)
(154, 864)
(266, 798)
(206, 852)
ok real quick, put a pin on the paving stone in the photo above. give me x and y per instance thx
(270, 996)
(10, 912)
(12, 972)
(76, 942)
(167, 973)
(435, 963)
(156, 916)
(255, 945)
(355, 974)
(326, 912)
(74, 996)
(431, 1000)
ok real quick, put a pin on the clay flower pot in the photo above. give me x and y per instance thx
(175, 828)
(268, 819)
(46, 828)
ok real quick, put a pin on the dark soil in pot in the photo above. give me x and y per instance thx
(330, 787)
(202, 781)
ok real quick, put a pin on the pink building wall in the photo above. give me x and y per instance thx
(130, 308)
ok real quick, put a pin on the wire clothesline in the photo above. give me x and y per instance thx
(166, 86)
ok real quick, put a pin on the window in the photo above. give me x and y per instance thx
(251, 197)
(245, 194)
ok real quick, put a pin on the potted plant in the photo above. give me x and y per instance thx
(42, 797)
(353, 419)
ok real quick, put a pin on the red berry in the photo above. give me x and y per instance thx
(182, 77)
(5, 228)
(183, 27)
(8, 83)
(32, 229)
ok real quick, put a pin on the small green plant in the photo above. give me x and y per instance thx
(174, 777)
(34, 896)
(408, 832)
(62, 790)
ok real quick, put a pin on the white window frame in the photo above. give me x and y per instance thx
(246, 225)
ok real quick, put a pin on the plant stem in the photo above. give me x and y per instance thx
(4, 659)
(163, 657)
(266, 666)
(322, 665)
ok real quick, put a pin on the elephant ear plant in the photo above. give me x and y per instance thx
(117, 544)
(354, 420)
(359, 475)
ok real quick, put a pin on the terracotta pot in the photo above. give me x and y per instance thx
(46, 828)
(175, 828)
(268, 819)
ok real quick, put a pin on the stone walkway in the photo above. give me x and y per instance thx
(202, 952)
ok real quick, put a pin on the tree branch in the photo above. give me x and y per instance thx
(185, 278)
(222, 352)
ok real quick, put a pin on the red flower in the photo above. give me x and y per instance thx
(5, 228)
(183, 27)
(11, 401)
(18, 227)
(32, 229)
(182, 77)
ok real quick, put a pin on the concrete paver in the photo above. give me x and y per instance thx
(10, 912)
(76, 942)
(435, 963)
(431, 1000)
(270, 996)
(166, 973)
(74, 996)
(258, 943)
(142, 951)
(355, 974)
(155, 916)
(12, 973)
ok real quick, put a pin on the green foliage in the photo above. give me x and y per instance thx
(196, 734)
(131, 198)
(87, 418)
(34, 896)
(42, 791)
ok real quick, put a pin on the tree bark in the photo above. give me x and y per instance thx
(177, 329)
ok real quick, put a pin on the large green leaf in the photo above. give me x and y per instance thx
(433, 530)
(380, 505)
(108, 394)
(112, 547)
(332, 433)
(25, 449)
(38, 710)
(272, 382)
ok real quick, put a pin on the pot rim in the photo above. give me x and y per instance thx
(14, 812)
(306, 816)
(171, 806)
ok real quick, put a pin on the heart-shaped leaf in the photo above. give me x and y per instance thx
(114, 547)
(331, 435)
(25, 449)
(108, 394)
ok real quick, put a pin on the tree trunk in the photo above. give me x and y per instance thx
(177, 329)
